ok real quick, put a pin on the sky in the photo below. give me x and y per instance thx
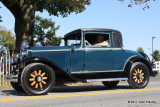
(137, 26)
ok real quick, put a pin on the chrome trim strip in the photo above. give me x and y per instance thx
(78, 49)
(107, 79)
(50, 50)
(99, 48)
(83, 72)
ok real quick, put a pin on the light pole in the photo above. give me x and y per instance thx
(152, 47)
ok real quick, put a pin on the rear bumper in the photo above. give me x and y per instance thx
(12, 78)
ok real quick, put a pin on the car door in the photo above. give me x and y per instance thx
(77, 60)
(98, 58)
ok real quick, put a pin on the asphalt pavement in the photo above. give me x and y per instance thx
(88, 96)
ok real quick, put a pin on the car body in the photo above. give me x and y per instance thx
(77, 61)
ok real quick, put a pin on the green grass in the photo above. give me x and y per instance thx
(5, 87)
(8, 87)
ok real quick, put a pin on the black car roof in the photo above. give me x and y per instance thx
(116, 32)
(91, 29)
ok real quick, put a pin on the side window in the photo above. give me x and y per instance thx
(97, 40)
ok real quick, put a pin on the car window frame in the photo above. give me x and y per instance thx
(81, 44)
(98, 32)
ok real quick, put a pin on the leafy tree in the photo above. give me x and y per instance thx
(0, 18)
(6, 37)
(139, 2)
(45, 28)
(156, 55)
(24, 13)
(140, 49)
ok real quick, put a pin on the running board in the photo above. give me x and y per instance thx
(107, 79)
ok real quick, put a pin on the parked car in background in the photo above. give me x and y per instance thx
(156, 66)
(81, 59)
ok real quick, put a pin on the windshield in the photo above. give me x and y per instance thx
(74, 39)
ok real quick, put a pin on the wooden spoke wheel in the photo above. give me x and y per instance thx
(139, 75)
(37, 79)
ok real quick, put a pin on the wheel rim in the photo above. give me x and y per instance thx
(138, 76)
(38, 79)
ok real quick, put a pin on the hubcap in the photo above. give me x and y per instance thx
(138, 76)
(38, 79)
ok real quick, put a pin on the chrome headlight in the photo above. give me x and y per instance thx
(23, 55)
(29, 53)
(17, 58)
(26, 54)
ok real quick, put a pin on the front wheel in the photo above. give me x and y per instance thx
(110, 84)
(37, 79)
(139, 76)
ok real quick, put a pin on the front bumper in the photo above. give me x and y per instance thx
(155, 73)
(12, 78)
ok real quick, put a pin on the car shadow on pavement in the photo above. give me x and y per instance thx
(12, 92)
(70, 89)
(67, 89)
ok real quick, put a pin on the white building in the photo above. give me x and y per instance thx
(156, 66)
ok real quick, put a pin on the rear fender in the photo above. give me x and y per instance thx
(139, 59)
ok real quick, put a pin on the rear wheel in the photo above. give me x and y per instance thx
(37, 79)
(17, 87)
(139, 76)
(110, 84)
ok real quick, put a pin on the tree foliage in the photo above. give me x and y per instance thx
(140, 49)
(6, 37)
(54, 7)
(156, 55)
(45, 28)
(139, 2)
(24, 13)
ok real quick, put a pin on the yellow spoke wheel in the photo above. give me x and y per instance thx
(37, 79)
(138, 75)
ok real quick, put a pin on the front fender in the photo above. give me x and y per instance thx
(57, 69)
(40, 59)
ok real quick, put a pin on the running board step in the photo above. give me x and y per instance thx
(107, 79)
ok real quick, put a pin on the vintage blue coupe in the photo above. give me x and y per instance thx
(81, 59)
